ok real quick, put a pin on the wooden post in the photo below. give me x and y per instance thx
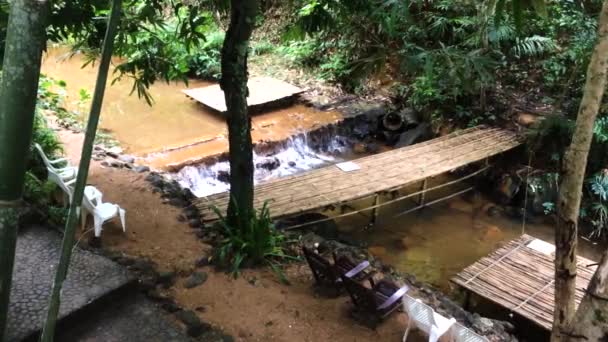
(423, 194)
(375, 210)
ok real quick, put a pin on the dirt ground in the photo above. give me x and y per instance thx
(254, 307)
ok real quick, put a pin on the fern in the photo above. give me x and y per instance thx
(533, 46)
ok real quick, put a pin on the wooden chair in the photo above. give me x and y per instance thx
(358, 272)
(379, 300)
(328, 275)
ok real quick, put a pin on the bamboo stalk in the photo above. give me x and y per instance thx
(67, 245)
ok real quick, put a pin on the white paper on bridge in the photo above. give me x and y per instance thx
(348, 166)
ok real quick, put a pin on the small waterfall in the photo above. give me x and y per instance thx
(294, 156)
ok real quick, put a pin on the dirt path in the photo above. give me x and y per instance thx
(254, 307)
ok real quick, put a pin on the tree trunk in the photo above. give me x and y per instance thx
(591, 320)
(572, 175)
(234, 84)
(48, 332)
(21, 69)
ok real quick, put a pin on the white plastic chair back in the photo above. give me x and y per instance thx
(46, 160)
(102, 212)
(425, 319)
(464, 334)
(418, 313)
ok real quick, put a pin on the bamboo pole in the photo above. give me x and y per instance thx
(25, 40)
(48, 332)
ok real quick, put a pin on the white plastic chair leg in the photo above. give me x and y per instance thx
(121, 213)
(98, 223)
(83, 218)
(407, 330)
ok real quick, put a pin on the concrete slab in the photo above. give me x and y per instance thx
(132, 318)
(90, 277)
(262, 91)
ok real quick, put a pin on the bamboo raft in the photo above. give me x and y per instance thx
(383, 172)
(520, 277)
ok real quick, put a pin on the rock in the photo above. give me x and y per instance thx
(166, 279)
(414, 135)
(181, 218)
(170, 306)
(223, 176)
(372, 148)
(187, 194)
(507, 188)
(178, 202)
(114, 151)
(361, 130)
(126, 158)
(194, 223)
(359, 148)
(156, 180)
(191, 213)
(194, 326)
(292, 164)
(203, 261)
(269, 164)
(527, 120)
(141, 169)
(195, 279)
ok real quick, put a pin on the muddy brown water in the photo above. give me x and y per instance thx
(174, 122)
(439, 241)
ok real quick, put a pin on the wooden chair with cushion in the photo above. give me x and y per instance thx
(378, 300)
(328, 275)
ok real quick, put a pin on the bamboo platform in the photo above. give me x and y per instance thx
(262, 91)
(388, 171)
(520, 277)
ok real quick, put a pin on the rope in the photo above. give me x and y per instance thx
(525, 209)
(494, 263)
(391, 201)
(534, 295)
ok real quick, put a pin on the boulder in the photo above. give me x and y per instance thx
(269, 164)
(223, 176)
(508, 186)
(412, 136)
(141, 169)
(126, 158)
(195, 279)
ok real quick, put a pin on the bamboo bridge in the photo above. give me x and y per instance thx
(370, 176)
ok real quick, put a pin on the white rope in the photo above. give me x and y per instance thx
(494, 263)
(534, 295)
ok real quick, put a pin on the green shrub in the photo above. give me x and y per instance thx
(259, 243)
(205, 61)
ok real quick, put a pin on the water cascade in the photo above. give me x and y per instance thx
(296, 155)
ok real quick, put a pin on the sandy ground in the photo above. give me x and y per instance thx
(254, 307)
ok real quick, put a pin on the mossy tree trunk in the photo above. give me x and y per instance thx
(569, 201)
(234, 84)
(25, 41)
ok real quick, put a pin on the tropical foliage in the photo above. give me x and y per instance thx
(255, 244)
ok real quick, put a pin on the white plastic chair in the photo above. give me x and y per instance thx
(66, 186)
(65, 173)
(425, 319)
(101, 212)
(461, 333)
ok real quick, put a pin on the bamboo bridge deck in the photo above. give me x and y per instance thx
(520, 277)
(388, 171)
